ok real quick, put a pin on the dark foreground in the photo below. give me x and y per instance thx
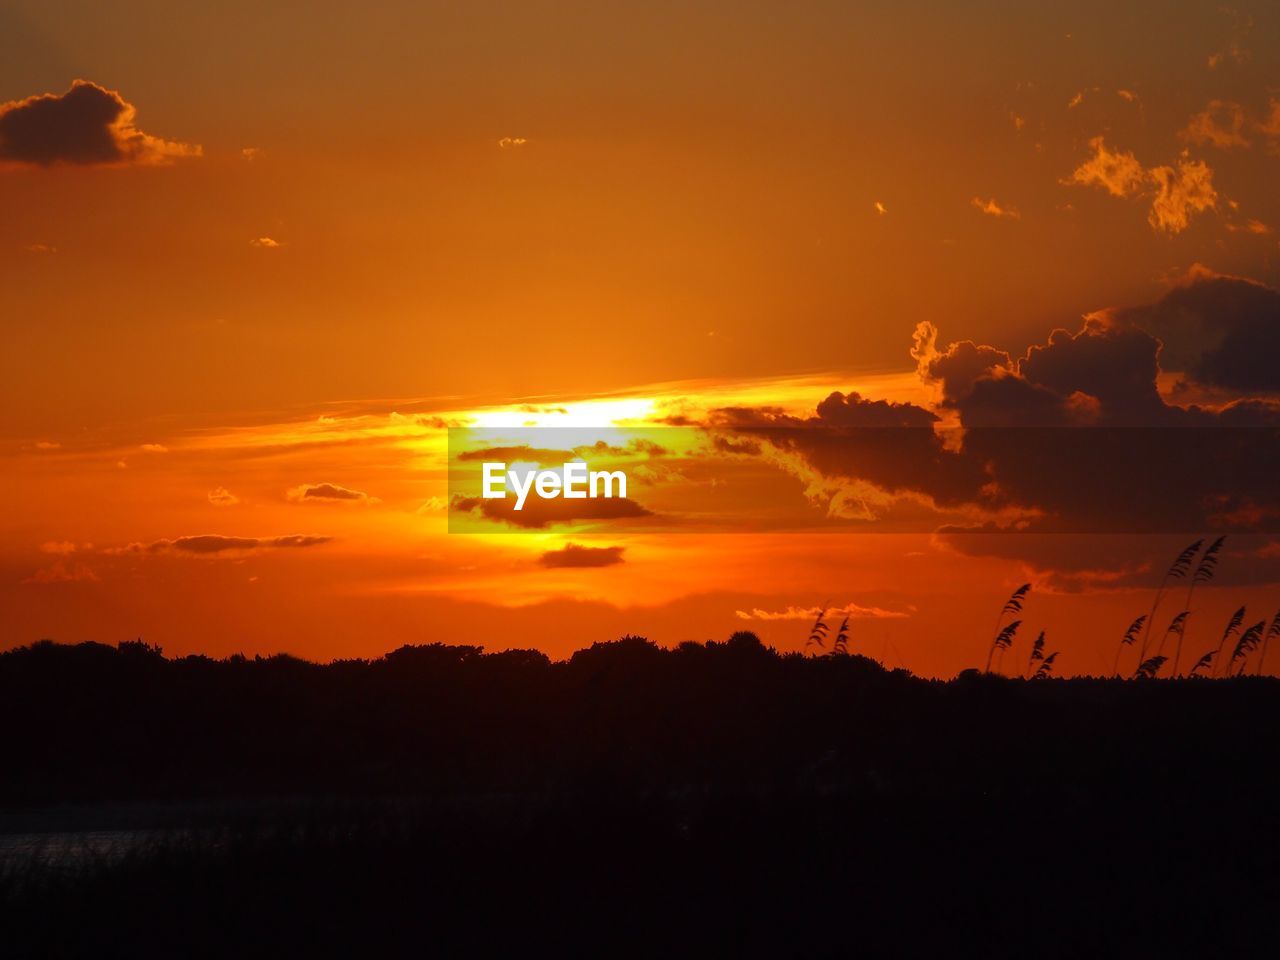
(713, 800)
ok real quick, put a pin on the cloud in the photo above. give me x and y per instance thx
(1255, 227)
(327, 493)
(265, 243)
(956, 369)
(1175, 192)
(1220, 124)
(1021, 457)
(880, 208)
(1180, 193)
(574, 555)
(40, 248)
(87, 125)
(1120, 174)
(510, 143)
(48, 445)
(63, 572)
(222, 497)
(1270, 126)
(993, 209)
(154, 448)
(210, 543)
(60, 548)
(853, 611)
(1218, 330)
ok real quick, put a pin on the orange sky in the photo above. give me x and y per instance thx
(326, 230)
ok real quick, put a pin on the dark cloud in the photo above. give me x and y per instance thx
(1074, 436)
(88, 124)
(1218, 330)
(328, 492)
(892, 446)
(574, 555)
(956, 369)
(210, 543)
(538, 512)
(1078, 563)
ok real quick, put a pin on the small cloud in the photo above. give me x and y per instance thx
(1180, 193)
(510, 143)
(432, 505)
(993, 209)
(1270, 127)
(154, 448)
(880, 208)
(327, 493)
(1250, 226)
(1220, 124)
(122, 464)
(87, 125)
(48, 445)
(1076, 100)
(63, 572)
(1018, 122)
(574, 555)
(222, 497)
(250, 153)
(1128, 96)
(40, 248)
(1120, 174)
(60, 548)
(265, 243)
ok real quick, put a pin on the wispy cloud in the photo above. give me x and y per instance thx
(853, 611)
(1176, 192)
(994, 209)
(212, 543)
(1220, 124)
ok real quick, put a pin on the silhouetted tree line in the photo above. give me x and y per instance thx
(92, 722)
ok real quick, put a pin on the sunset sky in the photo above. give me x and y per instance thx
(255, 262)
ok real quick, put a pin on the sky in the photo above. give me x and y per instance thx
(257, 259)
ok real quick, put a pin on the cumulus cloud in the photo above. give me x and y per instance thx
(154, 448)
(327, 493)
(1175, 192)
(87, 125)
(575, 555)
(265, 243)
(1021, 458)
(1218, 330)
(60, 548)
